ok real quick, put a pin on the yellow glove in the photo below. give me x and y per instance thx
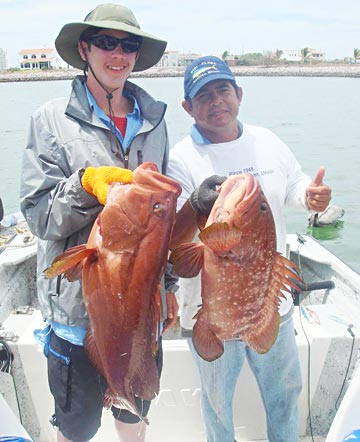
(96, 180)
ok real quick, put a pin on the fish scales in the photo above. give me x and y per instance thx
(121, 268)
(242, 274)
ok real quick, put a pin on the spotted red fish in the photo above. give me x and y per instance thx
(121, 267)
(242, 274)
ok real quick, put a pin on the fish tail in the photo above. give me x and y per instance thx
(110, 400)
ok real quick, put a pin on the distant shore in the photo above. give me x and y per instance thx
(328, 70)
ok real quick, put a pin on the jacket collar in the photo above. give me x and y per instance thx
(78, 107)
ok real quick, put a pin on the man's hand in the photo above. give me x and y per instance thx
(204, 197)
(318, 194)
(96, 180)
(172, 311)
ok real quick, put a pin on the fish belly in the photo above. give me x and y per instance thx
(121, 336)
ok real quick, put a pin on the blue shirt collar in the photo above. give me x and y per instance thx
(100, 113)
(134, 118)
(199, 138)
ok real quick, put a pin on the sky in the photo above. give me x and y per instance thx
(198, 26)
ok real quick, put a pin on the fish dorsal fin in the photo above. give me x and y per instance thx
(285, 274)
(220, 237)
(68, 262)
(187, 259)
(262, 335)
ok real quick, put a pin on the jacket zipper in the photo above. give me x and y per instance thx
(126, 159)
(126, 154)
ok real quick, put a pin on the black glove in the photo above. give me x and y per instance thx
(204, 197)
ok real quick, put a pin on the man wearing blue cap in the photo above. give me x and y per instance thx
(220, 145)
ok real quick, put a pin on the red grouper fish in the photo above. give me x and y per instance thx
(242, 274)
(121, 267)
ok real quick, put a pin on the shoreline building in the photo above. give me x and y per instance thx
(315, 54)
(175, 59)
(302, 54)
(43, 58)
(291, 55)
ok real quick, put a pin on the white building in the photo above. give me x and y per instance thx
(43, 58)
(169, 59)
(176, 59)
(315, 54)
(291, 55)
(297, 55)
(3, 63)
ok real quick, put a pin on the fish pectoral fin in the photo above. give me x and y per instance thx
(69, 262)
(187, 259)
(74, 273)
(220, 237)
(206, 343)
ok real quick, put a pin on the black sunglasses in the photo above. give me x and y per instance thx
(109, 43)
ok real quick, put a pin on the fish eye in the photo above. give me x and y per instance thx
(263, 207)
(158, 209)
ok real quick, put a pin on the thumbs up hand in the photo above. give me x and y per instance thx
(318, 194)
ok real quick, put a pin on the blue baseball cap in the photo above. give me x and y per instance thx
(203, 70)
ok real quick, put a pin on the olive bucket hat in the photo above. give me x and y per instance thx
(109, 16)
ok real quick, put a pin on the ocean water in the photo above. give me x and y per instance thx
(317, 117)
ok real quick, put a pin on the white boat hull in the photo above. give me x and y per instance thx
(324, 349)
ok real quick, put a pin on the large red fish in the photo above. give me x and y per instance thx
(242, 273)
(121, 267)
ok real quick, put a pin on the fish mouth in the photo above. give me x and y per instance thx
(236, 195)
(243, 193)
(250, 188)
(155, 179)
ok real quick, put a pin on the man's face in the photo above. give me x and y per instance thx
(215, 107)
(111, 68)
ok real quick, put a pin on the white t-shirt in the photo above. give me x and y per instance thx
(257, 151)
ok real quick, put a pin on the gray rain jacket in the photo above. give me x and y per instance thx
(64, 138)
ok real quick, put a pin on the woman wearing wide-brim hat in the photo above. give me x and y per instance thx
(108, 121)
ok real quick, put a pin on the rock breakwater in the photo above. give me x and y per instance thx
(336, 70)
